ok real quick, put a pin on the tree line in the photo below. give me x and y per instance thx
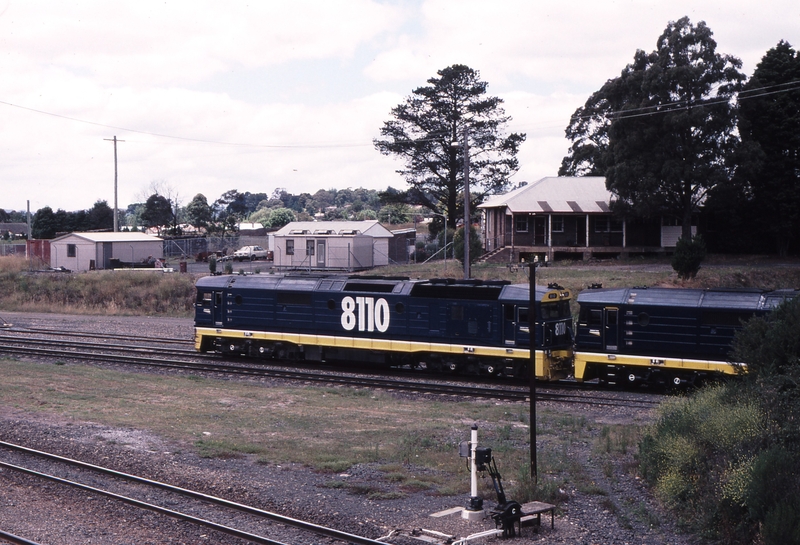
(222, 216)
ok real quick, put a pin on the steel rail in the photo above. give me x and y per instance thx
(62, 333)
(91, 345)
(288, 521)
(16, 540)
(327, 378)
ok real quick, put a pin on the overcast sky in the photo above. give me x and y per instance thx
(213, 96)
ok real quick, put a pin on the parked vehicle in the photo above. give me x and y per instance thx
(250, 253)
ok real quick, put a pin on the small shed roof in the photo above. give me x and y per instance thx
(557, 195)
(15, 228)
(121, 236)
(367, 227)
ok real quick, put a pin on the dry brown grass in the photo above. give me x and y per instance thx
(125, 292)
(95, 292)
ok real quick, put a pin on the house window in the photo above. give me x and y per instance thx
(558, 224)
(521, 224)
(72, 250)
(290, 246)
(309, 247)
(606, 224)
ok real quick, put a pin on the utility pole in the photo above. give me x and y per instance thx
(466, 204)
(532, 366)
(116, 213)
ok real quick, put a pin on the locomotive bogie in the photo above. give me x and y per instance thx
(637, 370)
(458, 359)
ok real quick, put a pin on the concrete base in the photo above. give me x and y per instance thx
(466, 514)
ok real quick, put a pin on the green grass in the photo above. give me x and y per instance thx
(413, 442)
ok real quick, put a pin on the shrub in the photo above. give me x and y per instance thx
(725, 459)
(475, 246)
(697, 444)
(689, 253)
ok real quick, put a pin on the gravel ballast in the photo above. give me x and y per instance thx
(619, 511)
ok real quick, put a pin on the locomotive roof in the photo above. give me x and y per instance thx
(745, 299)
(444, 288)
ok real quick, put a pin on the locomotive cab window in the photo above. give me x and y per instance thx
(522, 315)
(554, 311)
(593, 317)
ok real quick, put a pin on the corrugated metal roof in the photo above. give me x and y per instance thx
(557, 194)
(368, 227)
(121, 236)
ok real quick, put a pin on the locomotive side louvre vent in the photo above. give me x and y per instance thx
(369, 287)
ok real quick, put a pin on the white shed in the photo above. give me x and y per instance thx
(347, 245)
(89, 251)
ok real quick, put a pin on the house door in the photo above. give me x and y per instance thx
(108, 253)
(320, 253)
(539, 230)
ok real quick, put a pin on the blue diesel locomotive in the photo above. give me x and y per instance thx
(463, 326)
(670, 336)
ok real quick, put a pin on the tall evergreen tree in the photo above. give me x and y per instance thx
(424, 129)
(769, 159)
(662, 131)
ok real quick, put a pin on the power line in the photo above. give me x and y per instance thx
(183, 138)
(644, 111)
(668, 107)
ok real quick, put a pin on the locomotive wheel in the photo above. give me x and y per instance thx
(676, 381)
(452, 367)
(631, 378)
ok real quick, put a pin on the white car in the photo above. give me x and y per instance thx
(250, 253)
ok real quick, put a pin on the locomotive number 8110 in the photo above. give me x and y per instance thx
(470, 326)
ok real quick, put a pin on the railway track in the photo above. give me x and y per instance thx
(174, 354)
(205, 511)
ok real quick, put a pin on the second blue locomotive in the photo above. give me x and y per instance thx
(672, 336)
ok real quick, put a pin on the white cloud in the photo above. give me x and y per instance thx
(313, 79)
